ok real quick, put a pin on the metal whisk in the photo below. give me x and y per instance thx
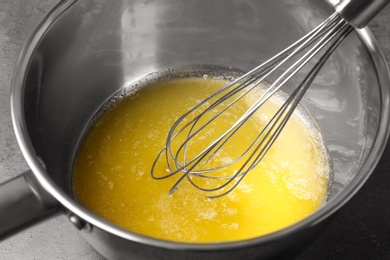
(197, 122)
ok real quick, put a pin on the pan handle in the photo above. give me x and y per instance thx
(23, 202)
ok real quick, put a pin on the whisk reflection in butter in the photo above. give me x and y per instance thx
(224, 175)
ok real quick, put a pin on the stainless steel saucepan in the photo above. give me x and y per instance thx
(85, 51)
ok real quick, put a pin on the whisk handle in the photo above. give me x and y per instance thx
(360, 12)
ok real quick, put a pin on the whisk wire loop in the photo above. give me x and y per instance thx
(189, 126)
(268, 93)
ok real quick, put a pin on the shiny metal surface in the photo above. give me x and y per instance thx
(23, 202)
(85, 51)
(360, 13)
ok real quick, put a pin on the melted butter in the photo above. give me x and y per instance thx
(112, 173)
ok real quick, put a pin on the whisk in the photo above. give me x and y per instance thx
(318, 44)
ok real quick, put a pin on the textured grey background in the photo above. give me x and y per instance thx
(57, 238)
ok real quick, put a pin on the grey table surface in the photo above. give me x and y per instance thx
(56, 238)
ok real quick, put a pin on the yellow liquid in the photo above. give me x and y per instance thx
(112, 176)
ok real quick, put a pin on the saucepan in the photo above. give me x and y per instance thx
(86, 51)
